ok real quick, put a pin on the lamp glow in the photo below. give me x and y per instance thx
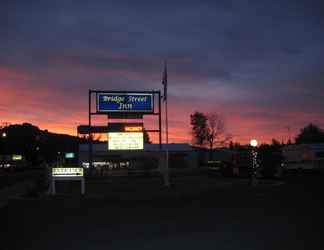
(254, 143)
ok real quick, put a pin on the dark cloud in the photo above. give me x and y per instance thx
(263, 53)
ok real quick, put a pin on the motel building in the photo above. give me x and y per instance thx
(9, 162)
(149, 160)
(303, 157)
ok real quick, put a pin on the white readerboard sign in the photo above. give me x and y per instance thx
(125, 141)
(67, 172)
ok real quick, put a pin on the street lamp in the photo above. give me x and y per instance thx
(254, 144)
(4, 134)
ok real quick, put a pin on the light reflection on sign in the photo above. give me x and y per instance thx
(125, 141)
(67, 172)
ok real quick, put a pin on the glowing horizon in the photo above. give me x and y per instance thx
(263, 72)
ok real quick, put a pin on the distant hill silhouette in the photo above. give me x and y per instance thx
(35, 144)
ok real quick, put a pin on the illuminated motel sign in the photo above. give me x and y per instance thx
(122, 105)
(125, 141)
(133, 128)
(125, 136)
(119, 102)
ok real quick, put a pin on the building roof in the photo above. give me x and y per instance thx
(319, 147)
(316, 147)
(172, 147)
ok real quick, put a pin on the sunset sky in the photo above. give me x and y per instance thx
(260, 63)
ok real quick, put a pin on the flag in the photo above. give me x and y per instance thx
(165, 82)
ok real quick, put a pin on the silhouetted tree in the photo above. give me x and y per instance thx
(198, 122)
(310, 134)
(276, 144)
(147, 137)
(216, 130)
(93, 137)
(215, 127)
(235, 145)
(209, 129)
(270, 158)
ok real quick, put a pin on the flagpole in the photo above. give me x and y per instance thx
(167, 183)
(165, 98)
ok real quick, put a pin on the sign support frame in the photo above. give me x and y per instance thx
(54, 179)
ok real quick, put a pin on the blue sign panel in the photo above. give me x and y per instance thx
(124, 103)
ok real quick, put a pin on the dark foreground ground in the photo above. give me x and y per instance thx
(288, 216)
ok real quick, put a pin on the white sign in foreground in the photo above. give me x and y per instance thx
(125, 141)
(67, 174)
